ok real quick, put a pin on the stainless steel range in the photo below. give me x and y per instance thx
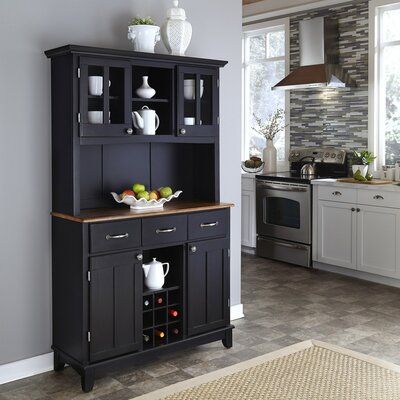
(284, 204)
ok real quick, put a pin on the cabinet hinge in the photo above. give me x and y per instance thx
(78, 73)
(88, 337)
(88, 276)
(229, 252)
(229, 302)
(218, 120)
(217, 82)
(79, 118)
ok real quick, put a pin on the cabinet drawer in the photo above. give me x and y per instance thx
(163, 230)
(340, 194)
(208, 224)
(114, 236)
(379, 198)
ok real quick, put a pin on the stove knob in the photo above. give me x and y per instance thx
(333, 155)
(340, 156)
(326, 155)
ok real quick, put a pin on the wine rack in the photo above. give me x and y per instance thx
(162, 317)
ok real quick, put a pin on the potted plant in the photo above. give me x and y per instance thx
(269, 130)
(144, 34)
(361, 161)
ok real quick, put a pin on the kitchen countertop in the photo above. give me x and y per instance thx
(390, 187)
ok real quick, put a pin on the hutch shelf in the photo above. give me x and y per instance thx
(103, 315)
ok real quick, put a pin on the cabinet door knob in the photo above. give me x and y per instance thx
(353, 209)
(139, 257)
(193, 249)
(182, 131)
(358, 210)
(129, 131)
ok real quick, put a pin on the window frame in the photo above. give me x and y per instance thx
(255, 30)
(377, 98)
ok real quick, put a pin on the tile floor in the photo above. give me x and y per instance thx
(283, 305)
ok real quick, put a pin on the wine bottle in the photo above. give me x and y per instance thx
(159, 334)
(159, 300)
(175, 331)
(173, 313)
(146, 338)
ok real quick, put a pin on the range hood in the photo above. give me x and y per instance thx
(319, 58)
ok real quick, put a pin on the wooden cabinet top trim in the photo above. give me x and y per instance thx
(115, 214)
(126, 54)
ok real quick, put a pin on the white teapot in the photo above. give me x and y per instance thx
(146, 121)
(154, 274)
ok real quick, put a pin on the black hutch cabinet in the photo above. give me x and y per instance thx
(103, 315)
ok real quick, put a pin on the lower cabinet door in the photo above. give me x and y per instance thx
(115, 305)
(378, 240)
(207, 285)
(337, 234)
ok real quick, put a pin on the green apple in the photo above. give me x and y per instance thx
(143, 195)
(138, 187)
(165, 192)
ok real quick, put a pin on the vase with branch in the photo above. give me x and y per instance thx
(269, 129)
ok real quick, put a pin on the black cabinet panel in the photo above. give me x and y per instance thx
(207, 285)
(115, 305)
(111, 236)
(208, 224)
(162, 230)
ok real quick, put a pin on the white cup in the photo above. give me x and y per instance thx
(96, 85)
(189, 89)
(95, 117)
(189, 120)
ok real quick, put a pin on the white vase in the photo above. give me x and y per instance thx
(176, 32)
(362, 168)
(269, 157)
(145, 91)
(144, 37)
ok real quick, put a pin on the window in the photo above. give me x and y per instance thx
(385, 92)
(265, 63)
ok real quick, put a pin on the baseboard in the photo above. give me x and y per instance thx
(25, 368)
(237, 312)
(248, 250)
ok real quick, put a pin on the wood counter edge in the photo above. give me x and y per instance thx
(134, 215)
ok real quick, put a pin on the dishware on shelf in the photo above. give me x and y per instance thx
(146, 121)
(252, 170)
(154, 274)
(96, 117)
(176, 32)
(145, 91)
(143, 204)
(189, 120)
(144, 37)
(189, 89)
(96, 85)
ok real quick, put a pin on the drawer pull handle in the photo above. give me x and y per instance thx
(209, 224)
(378, 197)
(167, 230)
(336, 193)
(122, 236)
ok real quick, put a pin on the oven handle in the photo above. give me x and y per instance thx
(285, 188)
(292, 246)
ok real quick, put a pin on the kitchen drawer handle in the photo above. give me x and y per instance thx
(336, 193)
(378, 197)
(208, 224)
(167, 230)
(122, 236)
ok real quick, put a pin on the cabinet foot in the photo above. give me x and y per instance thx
(87, 380)
(58, 365)
(227, 341)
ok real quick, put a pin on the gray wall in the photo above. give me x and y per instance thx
(27, 28)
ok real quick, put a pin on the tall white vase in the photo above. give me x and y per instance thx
(269, 157)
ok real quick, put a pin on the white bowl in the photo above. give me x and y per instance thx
(143, 204)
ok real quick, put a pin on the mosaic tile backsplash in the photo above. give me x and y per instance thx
(334, 117)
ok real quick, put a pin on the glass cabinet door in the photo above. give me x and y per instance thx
(104, 98)
(198, 102)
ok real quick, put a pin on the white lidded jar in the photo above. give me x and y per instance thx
(176, 32)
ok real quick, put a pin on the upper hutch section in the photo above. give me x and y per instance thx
(96, 147)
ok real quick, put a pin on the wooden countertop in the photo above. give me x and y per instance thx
(124, 212)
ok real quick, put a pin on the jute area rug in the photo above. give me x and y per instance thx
(309, 370)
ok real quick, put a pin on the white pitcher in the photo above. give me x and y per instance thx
(154, 274)
(146, 121)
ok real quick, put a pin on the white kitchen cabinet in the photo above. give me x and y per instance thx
(337, 234)
(248, 211)
(378, 240)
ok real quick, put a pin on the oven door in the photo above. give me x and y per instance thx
(284, 211)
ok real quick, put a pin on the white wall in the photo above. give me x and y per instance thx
(27, 28)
